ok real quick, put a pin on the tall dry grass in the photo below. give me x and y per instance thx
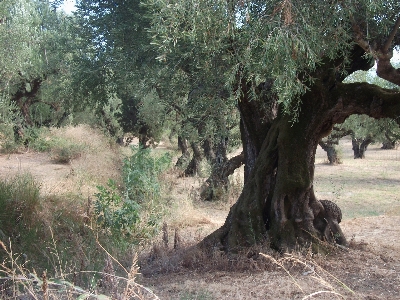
(19, 282)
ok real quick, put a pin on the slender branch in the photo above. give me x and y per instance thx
(392, 35)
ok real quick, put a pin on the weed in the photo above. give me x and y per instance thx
(115, 213)
(140, 174)
(309, 267)
(18, 282)
(9, 146)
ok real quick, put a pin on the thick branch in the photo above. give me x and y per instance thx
(30, 98)
(365, 98)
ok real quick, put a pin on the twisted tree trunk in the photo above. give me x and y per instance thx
(278, 203)
(218, 183)
(331, 152)
(328, 144)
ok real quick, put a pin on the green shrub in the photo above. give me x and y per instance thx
(121, 211)
(140, 174)
(114, 213)
(41, 143)
(8, 144)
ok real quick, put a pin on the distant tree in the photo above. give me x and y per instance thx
(329, 144)
(34, 68)
(117, 62)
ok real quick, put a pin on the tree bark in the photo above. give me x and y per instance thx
(25, 99)
(328, 144)
(255, 121)
(389, 143)
(331, 152)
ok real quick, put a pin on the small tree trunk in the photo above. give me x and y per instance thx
(329, 143)
(143, 137)
(389, 143)
(194, 165)
(331, 152)
(182, 145)
(209, 151)
(218, 182)
(360, 146)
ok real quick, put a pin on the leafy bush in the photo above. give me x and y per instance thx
(140, 173)
(117, 214)
(8, 144)
(42, 143)
(121, 210)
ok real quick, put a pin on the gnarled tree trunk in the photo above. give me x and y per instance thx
(277, 203)
(331, 152)
(328, 144)
(218, 182)
(389, 143)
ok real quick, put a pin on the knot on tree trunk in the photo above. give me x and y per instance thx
(327, 223)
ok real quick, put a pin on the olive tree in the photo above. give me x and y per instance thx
(36, 49)
(284, 63)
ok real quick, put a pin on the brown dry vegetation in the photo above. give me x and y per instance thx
(366, 190)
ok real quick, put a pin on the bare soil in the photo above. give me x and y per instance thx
(366, 190)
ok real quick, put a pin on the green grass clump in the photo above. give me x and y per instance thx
(19, 202)
(7, 141)
(65, 152)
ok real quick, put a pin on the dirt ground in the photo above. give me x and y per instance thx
(369, 269)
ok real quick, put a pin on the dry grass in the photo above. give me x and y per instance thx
(361, 187)
(100, 160)
(18, 282)
(366, 190)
